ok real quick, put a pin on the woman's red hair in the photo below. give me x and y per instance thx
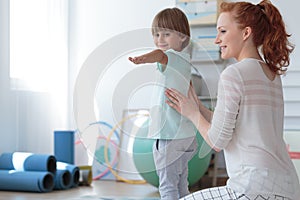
(268, 30)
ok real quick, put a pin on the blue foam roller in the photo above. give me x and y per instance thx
(6, 161)
(23, 161)
(64, 146)
(74, 170)
(30, 181)
(62, 180)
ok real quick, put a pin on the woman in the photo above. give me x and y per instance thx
(248, 119)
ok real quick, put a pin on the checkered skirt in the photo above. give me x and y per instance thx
(225, 193)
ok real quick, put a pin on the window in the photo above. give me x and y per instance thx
(38, 45)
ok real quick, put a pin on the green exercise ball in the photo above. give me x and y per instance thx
(144, 163)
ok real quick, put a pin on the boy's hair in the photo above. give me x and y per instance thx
(172, 19)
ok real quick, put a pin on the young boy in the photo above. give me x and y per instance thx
(175, 135)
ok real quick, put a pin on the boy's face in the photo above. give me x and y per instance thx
(165, 39)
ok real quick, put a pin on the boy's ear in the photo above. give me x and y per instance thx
(184, 38)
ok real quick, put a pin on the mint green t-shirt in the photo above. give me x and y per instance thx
(165, 122)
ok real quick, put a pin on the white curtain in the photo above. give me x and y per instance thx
(38, 72)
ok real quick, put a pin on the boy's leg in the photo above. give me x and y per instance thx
(190, 151)
(167, 173)
(171, 160)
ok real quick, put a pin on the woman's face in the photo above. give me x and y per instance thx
(229, 37)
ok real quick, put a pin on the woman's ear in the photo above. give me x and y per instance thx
(247, 32)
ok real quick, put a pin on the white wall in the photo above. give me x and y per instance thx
(91, 22)
(94, 22)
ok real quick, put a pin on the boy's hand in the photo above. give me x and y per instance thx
(151, 57)
(138, 60)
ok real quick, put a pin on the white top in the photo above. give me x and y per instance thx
(165, 122)
(248, 125)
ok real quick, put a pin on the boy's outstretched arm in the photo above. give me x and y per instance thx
(151, 57)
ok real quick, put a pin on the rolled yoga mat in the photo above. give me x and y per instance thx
(30, 181)
(62, 180)
(64, 146)
(74, 170)
(22, 161)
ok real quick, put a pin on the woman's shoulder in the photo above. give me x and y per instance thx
(232, 69)
(242, 68)
(245, 63)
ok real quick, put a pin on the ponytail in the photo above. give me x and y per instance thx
(268, 29)
(275, 48)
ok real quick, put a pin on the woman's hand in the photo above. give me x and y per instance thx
(186, 106)
(192, 95)
(189, 107)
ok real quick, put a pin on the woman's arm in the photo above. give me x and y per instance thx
(191, 107)
(204, 111)
(151, 57)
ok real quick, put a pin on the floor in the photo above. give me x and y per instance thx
(111, 190)
(106, 190)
